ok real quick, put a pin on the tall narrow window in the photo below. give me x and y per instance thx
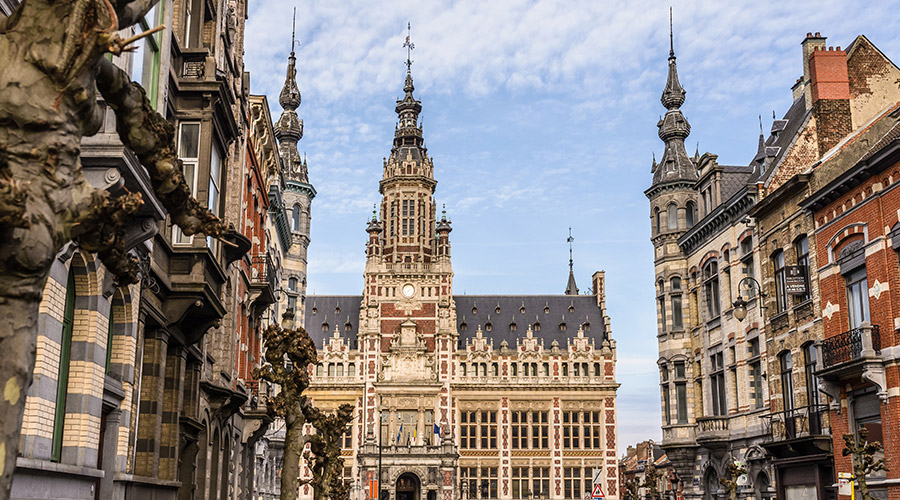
(295, 218)
(857, 297)
(146, 56)
(756, 389)
(689, 212)
(787, 382)
(677, 313)
(717, 384)
(681, 401)
(667, 409)
(778, 270)
(801, 247)
(672, 215)
(812, 384)
(711, 288)
(62, 378)
(747, 266)
(215, 190)
(189, 153)
(658, 220)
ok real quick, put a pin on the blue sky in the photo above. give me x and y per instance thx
(540, 115)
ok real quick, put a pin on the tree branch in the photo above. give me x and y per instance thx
(130, 11)
(152, 139)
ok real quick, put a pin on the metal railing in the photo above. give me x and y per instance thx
(796, 422)
(849, 345)
(263, 270)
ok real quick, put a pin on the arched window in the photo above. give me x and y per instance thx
(689, 212)
(292, 284)
(62, 379)
(514, 368)
(672, 215)
(565, 369)
(546, 370)
(596, 369)
(319, 370)
(351, 370)
(675, 283)
(295, 218)
(495, 370)
(711, 288)
(462, 369)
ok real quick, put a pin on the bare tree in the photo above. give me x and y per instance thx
(289, 352)
(651, 479)
(324, 457)
(51, 66)
(864, 459)
(730, 480)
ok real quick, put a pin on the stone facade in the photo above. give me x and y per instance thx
(145, 391)
(506, 397)
(754, 227)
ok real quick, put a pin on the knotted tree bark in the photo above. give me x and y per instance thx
(51, 65)
(324, 457)
(294, 345)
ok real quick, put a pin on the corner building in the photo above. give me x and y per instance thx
(476, 397)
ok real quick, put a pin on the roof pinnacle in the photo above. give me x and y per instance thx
(671, 36)
(571, 288)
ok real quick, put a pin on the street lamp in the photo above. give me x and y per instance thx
(740, 305)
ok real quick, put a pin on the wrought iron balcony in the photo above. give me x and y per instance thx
(851, 345)
(262, 278)
(798, 432)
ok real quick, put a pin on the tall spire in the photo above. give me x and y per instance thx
(289, 128)
(674, 128)
(409, 130)
(571, 288)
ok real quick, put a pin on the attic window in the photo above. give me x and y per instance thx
(348, 326)
(474, 310)
(670, 166)
(512, 326)
(463, 327)
(522, 309)
(497, 310)
(562, 327)
(488, 326)
(586, 327)
(571, 308)
(546, 309)
(537, 326)
(337, 310)
(324, 327)
(315, 310)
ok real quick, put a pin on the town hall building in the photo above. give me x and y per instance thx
(460, 396)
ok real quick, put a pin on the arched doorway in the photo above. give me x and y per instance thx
(408, 486)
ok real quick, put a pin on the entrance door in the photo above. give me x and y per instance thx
(408, 487)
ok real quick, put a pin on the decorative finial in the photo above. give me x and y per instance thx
(760, 125)
(671, 37)
(773, 114)
(570, 240)
(444, 211)
(409, 47)
(374, 210)
(293, 30)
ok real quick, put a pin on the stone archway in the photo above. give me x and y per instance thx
(408, 486)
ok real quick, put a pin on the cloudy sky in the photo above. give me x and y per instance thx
(540, 115)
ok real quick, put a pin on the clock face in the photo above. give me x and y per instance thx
(408, 291)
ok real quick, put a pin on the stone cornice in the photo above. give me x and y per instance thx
(723, 216)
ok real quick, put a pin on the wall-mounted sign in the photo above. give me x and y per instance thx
(795, 280)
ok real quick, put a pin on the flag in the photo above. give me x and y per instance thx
(437, 430)
(415, 435)
(400, 432)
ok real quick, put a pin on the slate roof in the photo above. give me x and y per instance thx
(734, 178)
(323, 313)
(783, 134)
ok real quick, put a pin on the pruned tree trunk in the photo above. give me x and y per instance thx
(51, 64)
(293, 451)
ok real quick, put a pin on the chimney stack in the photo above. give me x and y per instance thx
(810, 44)
(829, 93)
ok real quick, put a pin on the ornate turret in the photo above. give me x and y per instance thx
(674, 128)
(289, 128)
(408, 132)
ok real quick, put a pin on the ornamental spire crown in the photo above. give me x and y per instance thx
(289, 128)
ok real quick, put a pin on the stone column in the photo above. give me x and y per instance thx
(108, 452)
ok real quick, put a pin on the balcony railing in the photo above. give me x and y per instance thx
(796, 422)
(713, 424)
(850, 345)
(262, 270)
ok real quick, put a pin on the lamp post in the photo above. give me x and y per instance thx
(740, 305)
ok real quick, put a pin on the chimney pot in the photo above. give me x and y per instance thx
(818, 34)
(838, 47)
(809, 34)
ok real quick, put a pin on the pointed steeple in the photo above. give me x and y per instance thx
(289, 128)
(674, 128)
(571, 287)
(408, 131)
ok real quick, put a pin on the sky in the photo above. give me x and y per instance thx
(540, 116)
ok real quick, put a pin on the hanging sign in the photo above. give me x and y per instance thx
(795, 280)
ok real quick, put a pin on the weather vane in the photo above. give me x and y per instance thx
(570, 240)
(409, 46)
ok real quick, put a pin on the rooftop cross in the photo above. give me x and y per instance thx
(409, 47)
